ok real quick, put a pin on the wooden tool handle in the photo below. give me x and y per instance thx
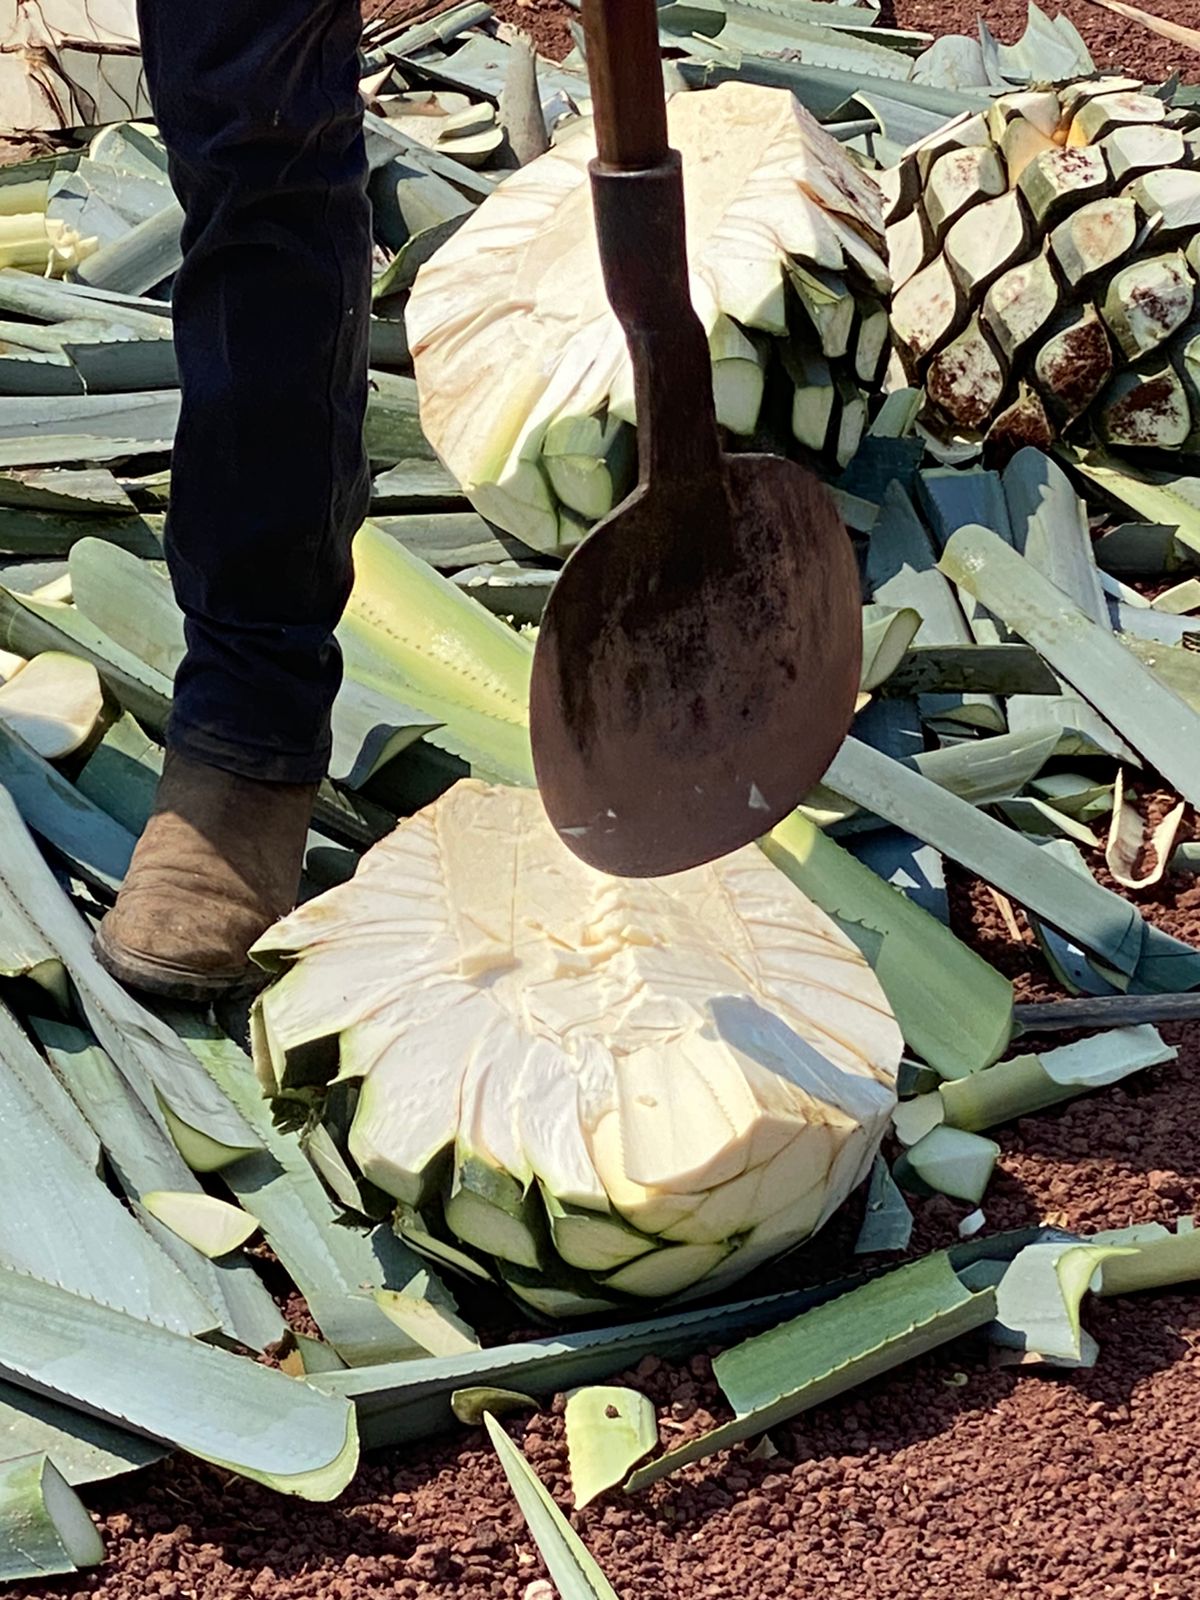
(625, 68)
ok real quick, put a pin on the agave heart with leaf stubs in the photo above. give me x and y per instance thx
(589, 1089)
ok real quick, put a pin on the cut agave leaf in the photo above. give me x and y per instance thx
(1160, 726)
(44, 1526)
(59, 1221)
(609, 1430)
(1038, 1300)
(209, 1225)
(433, 1327)
(951, 1162)
(570, 1564)
(1158, 1258)
(887, 1222)
(221, 1408)
(142, 1155)
(145, 1051)
(411, 632)
(83, 1448)
(1027, 1084)
(923, 969)
(54, 704)
(834, 1347)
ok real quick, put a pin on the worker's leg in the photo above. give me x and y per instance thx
(257, 101)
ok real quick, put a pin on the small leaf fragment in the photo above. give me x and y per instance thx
(609, 1430)
(471, 1405)
(435, 1328)
(568, 1560)
(1038, 1299)
(212, 1226)
(1127, 835)
(44, 1526)
(950, 1161)
(887, 1222)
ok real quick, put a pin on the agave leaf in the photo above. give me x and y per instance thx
(568, 1561)
(336, 1267)
(44, 1526)
(219, 1407)
(1126, 693)
(902, 571)
(609, 1430)
(411, 1399)
(83, 1448)
(145, 1051)
(410, 631)
(1159, 1258)
(887, 1222)
(1172, 502)
(1099, 919)
(1038, 1300)
(924, 970)
(143, 1156)
(97, 847)
(834, 1347)
(58, 1220)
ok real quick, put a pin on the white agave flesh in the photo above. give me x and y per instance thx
(705, 1046)
(509, 325)
(53, 702)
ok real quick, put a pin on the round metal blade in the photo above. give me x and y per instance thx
(696, 669)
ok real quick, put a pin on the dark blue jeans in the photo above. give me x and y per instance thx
(257, 102)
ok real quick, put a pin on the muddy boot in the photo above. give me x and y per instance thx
(219, 862)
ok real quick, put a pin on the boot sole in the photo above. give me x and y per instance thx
(171, 982)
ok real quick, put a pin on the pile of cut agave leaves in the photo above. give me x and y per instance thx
(1015, 681)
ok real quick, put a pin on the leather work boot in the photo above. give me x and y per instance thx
(219, 862)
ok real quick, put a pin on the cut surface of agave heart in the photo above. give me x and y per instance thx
(589, 1089)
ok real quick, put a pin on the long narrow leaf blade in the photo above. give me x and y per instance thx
(568, 1560)
(222, 1408)
(1127, 693)
(146, 1052)
(337, 1267)
(833, 1348)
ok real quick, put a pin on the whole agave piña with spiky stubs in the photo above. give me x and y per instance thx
(1045, 259)
(524, 377)
(592, 1090)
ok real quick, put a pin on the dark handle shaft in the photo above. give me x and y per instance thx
(625, 69)
(637, 192)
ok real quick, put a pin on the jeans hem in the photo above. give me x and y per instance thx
(247, 760)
